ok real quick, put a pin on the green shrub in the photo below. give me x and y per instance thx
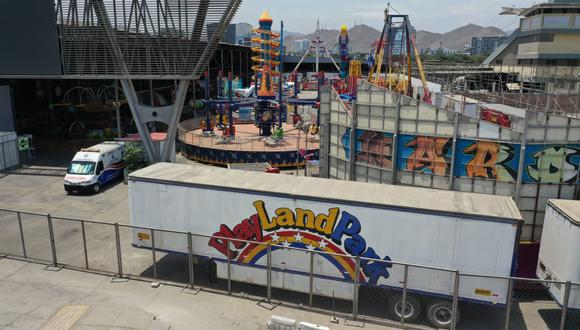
(135, 156)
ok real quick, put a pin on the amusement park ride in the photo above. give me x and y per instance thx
(283, 145)
(391, 68)
(270, 105)
(394, 51)
(268, 136)
(267, 50)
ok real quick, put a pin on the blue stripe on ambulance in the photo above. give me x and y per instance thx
(110, 173)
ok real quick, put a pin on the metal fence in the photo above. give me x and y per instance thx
(432, 297)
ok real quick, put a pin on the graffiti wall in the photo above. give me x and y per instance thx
(372, 147)
(424, 154)
(552, 163)
(487, 160)
(543, 163)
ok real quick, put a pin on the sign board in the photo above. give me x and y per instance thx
(23, 143)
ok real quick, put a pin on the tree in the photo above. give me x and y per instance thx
(135, 157)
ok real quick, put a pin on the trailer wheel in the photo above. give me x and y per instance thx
(412, 310)
(440, 314)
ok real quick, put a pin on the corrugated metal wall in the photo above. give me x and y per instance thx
(9, 153)
(397, 139)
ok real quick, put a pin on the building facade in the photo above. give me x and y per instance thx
(302, 45)
(548, 36)
(393, 139)
(229, 36)
(484, 45)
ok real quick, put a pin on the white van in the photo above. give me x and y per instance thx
(91, 168)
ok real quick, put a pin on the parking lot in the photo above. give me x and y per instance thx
(120, 305)
(38, 189)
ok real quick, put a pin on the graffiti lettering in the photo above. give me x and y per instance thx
(429, 155)
(375, 149)
(553, 164)
(490, 160)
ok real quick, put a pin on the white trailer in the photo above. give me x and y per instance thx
(472, 233)
(559, 258)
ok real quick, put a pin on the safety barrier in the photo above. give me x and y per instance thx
(416, 296)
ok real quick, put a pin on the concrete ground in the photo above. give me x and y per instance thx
(30, 296)
(33, 298)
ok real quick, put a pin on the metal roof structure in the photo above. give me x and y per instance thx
(552, 4)
(357, 193)
(570, 208)
(140, 39)
(117, 39)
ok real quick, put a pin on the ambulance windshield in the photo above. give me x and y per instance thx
(82, 168)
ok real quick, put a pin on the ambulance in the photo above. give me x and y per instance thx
(94, 167)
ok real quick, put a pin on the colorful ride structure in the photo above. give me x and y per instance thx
(221, 108)
(266, 46)
(394, 52)
(343, 51)
(268, 137)
(350, 71)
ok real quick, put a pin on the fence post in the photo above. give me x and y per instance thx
(355, 293)
(311, 284)
(404, 306)
(153, 254)
(119, 258)
(52, 243)
(190, 259)
(22, 235)
(565, 305)
(509, 304)
(83, 233)
(229, 270)
(269, 274)
(455, 301)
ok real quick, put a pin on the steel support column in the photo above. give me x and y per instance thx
(352, 144)
(142, 128)
(522, 159)
(180, 95)
(395, 140)
(453, 150)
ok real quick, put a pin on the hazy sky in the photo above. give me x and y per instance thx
(431, 15)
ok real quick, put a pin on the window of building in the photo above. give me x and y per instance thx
(557, 21)
(577, 22)
(544, 37)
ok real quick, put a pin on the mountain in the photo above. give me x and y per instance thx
(244, 29)
(292, 34)
(360, 36)
(455, 39)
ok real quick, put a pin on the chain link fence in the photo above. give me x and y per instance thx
(385, 292)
